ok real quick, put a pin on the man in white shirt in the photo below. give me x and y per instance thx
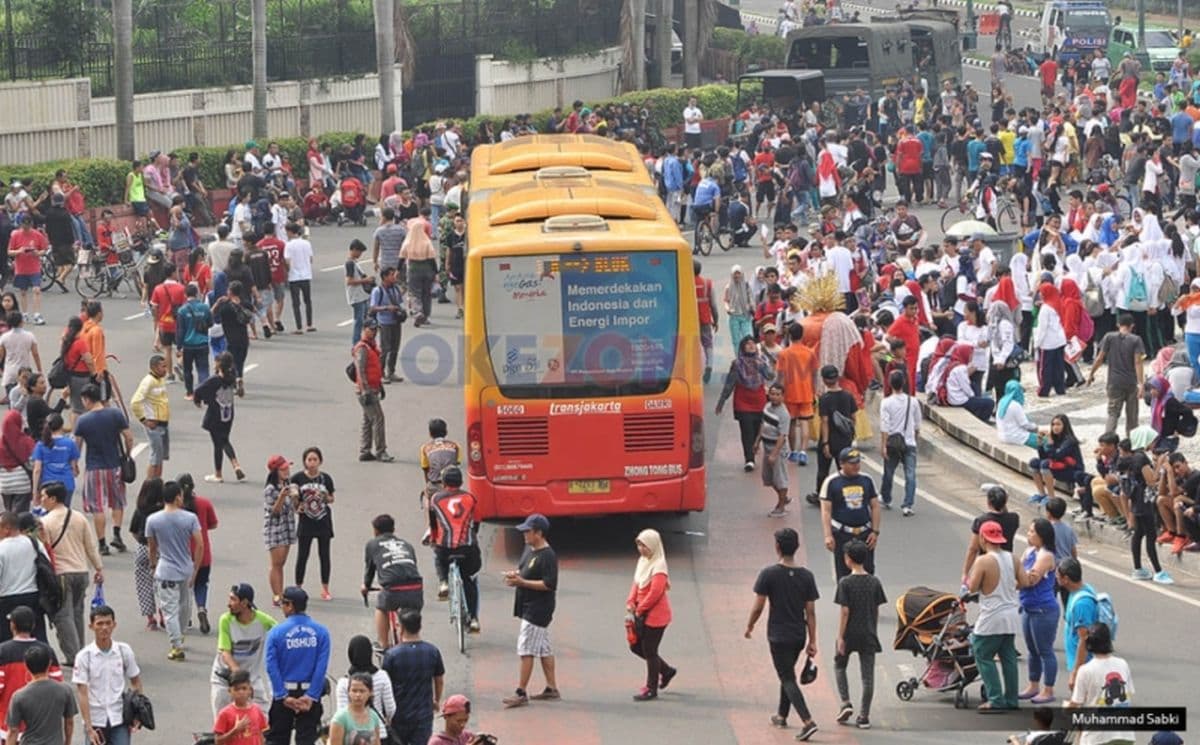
(692, 116)
(250, 161)
(219, 250)
(841, 263)
(18, 348)
(272, 160)
(1103, 682)
(298, 257)
(101, 669)
(1101, 67)
(18, 576)
(899, 413)
(985, 263)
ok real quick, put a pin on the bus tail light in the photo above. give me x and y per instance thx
(475, 464)
(696, 456)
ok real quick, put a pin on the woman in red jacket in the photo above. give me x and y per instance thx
(648, 603)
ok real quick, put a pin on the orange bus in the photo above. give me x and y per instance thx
(562, 159)
(583, 391)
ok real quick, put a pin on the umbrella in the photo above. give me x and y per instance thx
(967, 228)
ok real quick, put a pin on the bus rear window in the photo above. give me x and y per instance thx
(842, 53)
(575, 324)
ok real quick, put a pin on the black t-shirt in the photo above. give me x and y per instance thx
(788, 589)
(1133, 484)
(851, 498)
(316, 519)
(537, 606)
(862, 594)
(233, 320)
(1009, 522)
(191, 175)
(393, 559)
(242, 274)
(260, 268)
(842, 401)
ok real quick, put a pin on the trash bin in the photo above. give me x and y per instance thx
(1004, 245)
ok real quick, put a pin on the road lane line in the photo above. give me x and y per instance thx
(345, 323)
(137, 450)
(249, 367)
(954, 510)
(335, 267)
(135, 316)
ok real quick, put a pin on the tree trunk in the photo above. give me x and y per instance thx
(663, 39)
(691, 44)
(385, 59)
(633, 45)
(122, 11)
(258, 35)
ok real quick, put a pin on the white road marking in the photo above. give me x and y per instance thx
(334, 268)
(954, 510)
(135, 316)
(249, 367)
(137, 449)
(346, 323)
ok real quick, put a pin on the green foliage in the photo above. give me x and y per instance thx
(761, 49)
(102, 181)
(729, 39)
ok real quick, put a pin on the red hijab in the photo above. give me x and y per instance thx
(914, 287)
(17, 446)
(1006, 292)
(1050, 296)
(1070, 307)
(960, 355)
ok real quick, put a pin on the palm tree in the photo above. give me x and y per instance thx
(385, 59)
(633, 44)
(258, 47)
(698, 25)
(122, 11)
(404, 45)
(663, 39)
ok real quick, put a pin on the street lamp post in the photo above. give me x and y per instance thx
(1141, 35)
(970, 40)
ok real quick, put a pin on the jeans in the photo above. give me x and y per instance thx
(372, 424)
(360, 314)
(301, 288)
(420, 286)
(114, 735)
(80, 229)
(986, 648)
(910, 477)
(1039, 626)
(175, 603)
(646, 647)
(282, 721)
(784, 657)
(749, 422)
(739, 328)
(389, 346)
(200, 587)
(866, 668)
(196, 357)
(68, 622)
(1118, 398)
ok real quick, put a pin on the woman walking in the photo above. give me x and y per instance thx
(149, 501)
(1039, 612)
(747, 383)
(279, 519)
(76, 355)
(217, 393)
(361, 657)
(55, 457)
(235, 318)
(315, 518)
(651, 611)
(203, 509)
(739, 306)
(773, 436)
(16, 447)
(1137, 473)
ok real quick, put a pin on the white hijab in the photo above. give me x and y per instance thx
(1076, 271)
(654, 564)
(1019, 264)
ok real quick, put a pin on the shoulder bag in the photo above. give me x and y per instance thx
(128, 465)
(896, 445)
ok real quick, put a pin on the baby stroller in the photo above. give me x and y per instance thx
(933, 625)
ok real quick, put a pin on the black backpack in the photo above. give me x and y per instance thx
(50, 595)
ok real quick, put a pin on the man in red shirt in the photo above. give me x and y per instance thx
(164, 302)
(26, 247)
(706, 305)
(354, 201)
(273, 248)
(368, 369)
(764, 183)
(908, 165)
(390, 184)
(906, 329)
(1048, 71)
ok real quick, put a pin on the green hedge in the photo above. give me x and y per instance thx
(761, 49)
(102, 180)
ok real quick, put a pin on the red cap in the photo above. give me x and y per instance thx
(275, 462)
(992, 532)
(456, 704)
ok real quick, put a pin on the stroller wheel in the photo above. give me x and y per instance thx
(983, 692)
(962, 699)
(904, 690)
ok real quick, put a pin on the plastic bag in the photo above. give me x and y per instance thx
(98, 596)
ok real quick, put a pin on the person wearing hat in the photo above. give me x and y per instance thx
(456, 712)
(368, 384)
(536, 583)
(20, 624)
(850, 511)
(241, 633)
(995, 575)
(297, 659)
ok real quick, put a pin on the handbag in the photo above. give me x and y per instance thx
(842, 424)
(128, 465)
(896, 445)
(1093, 302)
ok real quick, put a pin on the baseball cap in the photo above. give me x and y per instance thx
(155, 257)
(370, 323)
(295, 596)
(16, 184)
(154, 154)
(243, 591)
(251, 144)
(849, 455)
(275, 462)
(830, 372)
(992, 532)
(22, 617)
(456, 704)
(768, 327)
(535, 521)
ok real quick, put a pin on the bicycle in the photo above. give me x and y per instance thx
(96, 277)
(393, 618)
(706, 235)
(1006, 214)
(460, 616)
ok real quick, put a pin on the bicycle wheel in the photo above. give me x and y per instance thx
(457, 605)
(49, 272)
(1006, 218)
(724, 239)
(952, 215)
(133, 280)
(90, 282)
(704, 238)
(462, 620)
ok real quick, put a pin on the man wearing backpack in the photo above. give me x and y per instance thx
(165, 301)
(193, 319)
(19, 575)
(1084, 607)
(368, 382)
(1124, 352)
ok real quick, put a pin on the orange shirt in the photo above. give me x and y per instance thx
(795, 369)
(94, 333)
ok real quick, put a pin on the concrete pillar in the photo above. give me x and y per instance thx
(83, 118)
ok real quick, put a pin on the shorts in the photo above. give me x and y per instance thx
(103, 490)
(533, 640)
(160, 444)
(803, 410)
(701, 211)
(390, 600)
(28, 281)
(775, 476)
(166, 338)
(63, 254)
(76, 386)
(279, 291)
(141, 209)
(764, 191)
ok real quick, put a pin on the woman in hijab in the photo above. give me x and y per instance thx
(1050, 341)
(1059, 459)
(955, 388)
(739, 305)
(747, 383)
(937, 365)
(15, 449)
(1078, 331)
(651, 611)
(1137, 280)
(1012, 424)
(1137, 472)
(1002, 337)
(1019, 266)
(1168, 415)
(361, 656)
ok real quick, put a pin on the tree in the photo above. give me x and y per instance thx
(258, 49)
(385, 60)
(405, 45)
(699, 20)
(664, 39)
(122, 11)
(633, 44)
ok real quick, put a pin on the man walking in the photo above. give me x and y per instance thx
(298, 257)
(394, 562)
(791, 624)
(899, 419)
(194, 320)
(151, 406)
(73, 540)
(388, 238)
(100, 674)
(297, 660)
(995, 575)
(387, 308)
(1124, 351)
(44, 710)
(358, 288)
(416, 670)
(176, 551)
(18, 574)
(369, 387)
(241, 643)
(100, 428)
(536, 583)
(849, 511)
(13, 672)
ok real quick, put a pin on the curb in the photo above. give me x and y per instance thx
(1021, 12)
(969, 431)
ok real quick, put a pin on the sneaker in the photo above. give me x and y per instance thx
(665, 679)
(1165, 537)
(776, 513)
(1119, 522)
(807, 731)
(794, 456)
(443, 591)
(707, 375)
(813, 499)
(104, 550)
(325, 594)
(1177, 546)
(175, 655)
(1077, 511)
(1162, 578)
(547, 694)
(887, 505)
(473, 627)
(279, 325)
(906, 511)
(202, 615)
(1141, 575)
(645, 694)
(517, 699)
(1081, 518)
(267, 333)
(366, 457)
(239, 474)
(383, 457)
(749, 466)
(778, 721)
(845, 713)
(118, 544)
(38, 320)
(1036, 498)
(862, 723)
(803, 458)
(1193, 546)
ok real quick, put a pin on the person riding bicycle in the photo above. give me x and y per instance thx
(741, 223)
(395, 562)
(436, 456)
(454, 533)
(706, 200)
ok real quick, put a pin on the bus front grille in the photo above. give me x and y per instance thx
(645, 432)
(524, 436)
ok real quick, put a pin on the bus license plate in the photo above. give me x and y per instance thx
(590, 486)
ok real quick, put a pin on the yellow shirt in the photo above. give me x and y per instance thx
(150, 400)
(1007, 137)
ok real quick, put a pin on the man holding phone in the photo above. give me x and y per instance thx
(26, 247)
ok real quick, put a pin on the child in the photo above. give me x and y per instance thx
(773, 436)
(242, 722)
(1041, 734)
(860, 595)
(1065, 541)
(897, 361)
(357, 722)
(353, 201)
